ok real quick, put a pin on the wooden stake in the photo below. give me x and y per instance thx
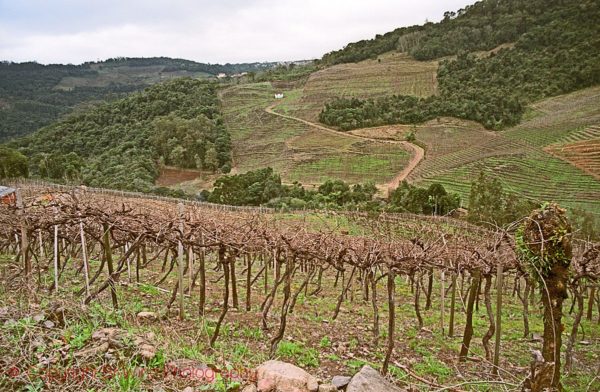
(85, 260)
(128, 260)
(499, 288)
(452, 305)
(56, 258)
(180, 265)
(391, 286)
(190, 258)
(41, 241)
(442, 300)
(24, 239)
(109, 264)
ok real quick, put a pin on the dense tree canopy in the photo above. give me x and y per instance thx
(12, 163)
(264, 187)
(32, 95)
(483, 25)
(119, 144)
(556, 50)
(434, 200)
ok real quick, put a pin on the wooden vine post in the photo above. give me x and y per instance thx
(86, 272)
(109, 264)
(499, 288)
(180, 260)
(391, 288)
(56, 256)
(202, 273)
(452, 305)
(544, 245)
(442, 300)
(24, 238)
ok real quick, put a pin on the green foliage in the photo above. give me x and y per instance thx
(431, 201)
(305, 357)
(127, 380)
(490, 203)
(118, 144)
(252, 188)
(264, 187)
(477, 27)
(34, 95)
(555, 52)
(431, 366)
(325, 342)
(28, 99)
(12, 163)
(197, 143)
(544, 240)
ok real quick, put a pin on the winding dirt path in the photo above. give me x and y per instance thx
(417, 156)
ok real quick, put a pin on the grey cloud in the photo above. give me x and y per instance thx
(208, 31)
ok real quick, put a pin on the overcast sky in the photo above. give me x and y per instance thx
(216, 31)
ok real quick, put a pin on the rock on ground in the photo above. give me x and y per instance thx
(327, 388)
(284, 377)
(369, 380)
(147, 316)
(341, 382)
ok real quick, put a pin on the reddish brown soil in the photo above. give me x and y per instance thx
(172, 176)
(584, 154)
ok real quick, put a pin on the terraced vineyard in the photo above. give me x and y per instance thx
(298, 151)
(584, 154)
(393, 73)
(457, 151)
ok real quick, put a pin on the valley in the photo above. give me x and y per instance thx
(415, 211)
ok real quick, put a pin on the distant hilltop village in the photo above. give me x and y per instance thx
(223, 75)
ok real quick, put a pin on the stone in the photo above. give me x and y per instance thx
(369, 380)
(250, 388)
(147, 316)
(145, 346)
(106, 334)
(188, 389)
(48, 324)
(327, 388)
(341, 382)
(92, 352)
(284, 377)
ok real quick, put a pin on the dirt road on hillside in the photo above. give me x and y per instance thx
(417, 156)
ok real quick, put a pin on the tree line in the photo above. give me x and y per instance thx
(263, 187)
(489, 204)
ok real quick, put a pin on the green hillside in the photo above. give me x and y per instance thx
(298, 151)
(119, 144)
(555, 51)
(33, 95)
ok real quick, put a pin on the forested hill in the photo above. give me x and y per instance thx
(481, 26)
(119, 144)
(554, 49)
(33, 95)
